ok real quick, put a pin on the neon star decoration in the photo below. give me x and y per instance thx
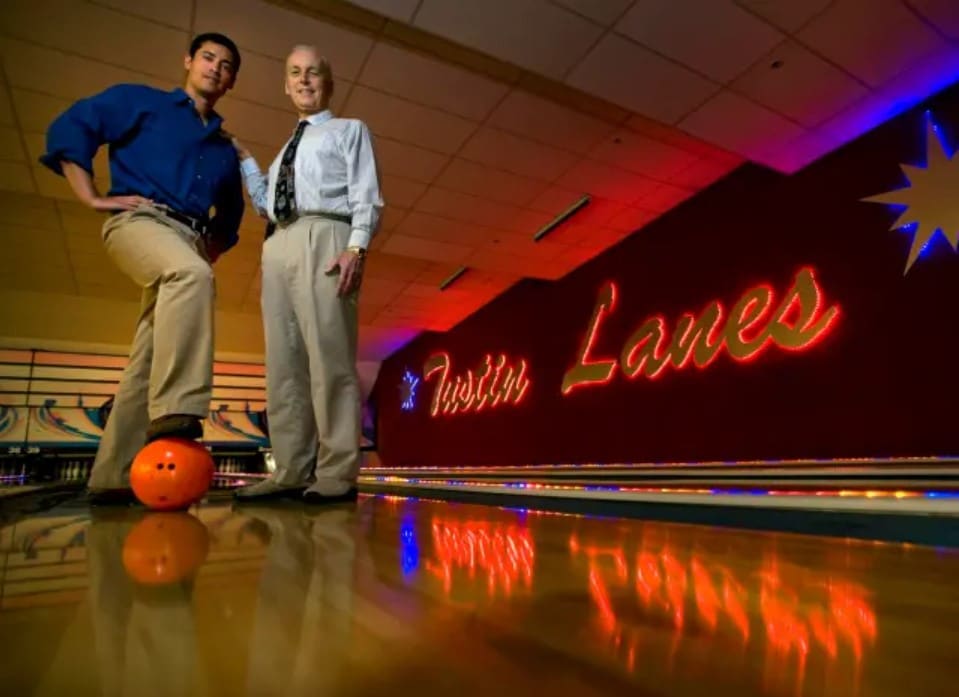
(930, 198)
(494, 383)
(408, 391)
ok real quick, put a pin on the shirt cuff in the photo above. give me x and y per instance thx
(359, 238)
(249, 166)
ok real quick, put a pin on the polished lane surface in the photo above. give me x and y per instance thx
(396, 596)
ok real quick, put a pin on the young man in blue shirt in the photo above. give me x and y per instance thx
(170, 166)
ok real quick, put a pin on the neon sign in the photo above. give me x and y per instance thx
(492, 384)
(408, 391)
(754, 323)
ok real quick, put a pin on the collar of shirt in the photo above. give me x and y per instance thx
(319, 117)
(180, 96)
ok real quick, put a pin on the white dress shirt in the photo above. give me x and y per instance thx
(335, 173)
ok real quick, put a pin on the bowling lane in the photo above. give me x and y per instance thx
(395, 594)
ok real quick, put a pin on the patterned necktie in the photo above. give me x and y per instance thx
(284, 205)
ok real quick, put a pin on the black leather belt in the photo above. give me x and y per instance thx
(200, 227)
(341, 217)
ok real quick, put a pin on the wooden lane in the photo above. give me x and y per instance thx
(437, 598)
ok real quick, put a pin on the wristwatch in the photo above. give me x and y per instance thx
(358, 251)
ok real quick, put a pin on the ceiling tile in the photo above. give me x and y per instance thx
(555, 199)
(741, 126)
(805, 88)
(266, 28)
(444, 229)
(636, 78)
(942, 13)
(607, 181)
(16, 177)
(422, 248)
(546, 122)
(495, 184)
(642, 155)
(717, 39)
(173, 12)
(396, 157)
(405, 121)
(875, 50)
(6, 106)
(428, 81)
(11, 149)
(702, 173)
(502, 28)
(37, 111)
(479, 210)
(393, 267)
(663, 198)
(631, 219)
(392, 216)
(789, 15)
(18, 210)
(499, 149)
(402, 10)
(603, 11)
(400, 191)
(252, 123)
(68, 77)
(97, 32)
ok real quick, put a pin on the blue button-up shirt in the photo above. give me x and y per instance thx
(159, 149)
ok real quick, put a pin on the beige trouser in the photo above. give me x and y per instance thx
(302, 637)
(312, 389)
(170, 370)
(144, 637)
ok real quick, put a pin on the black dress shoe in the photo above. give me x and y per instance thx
(111, 497)
(175, 426)
(314, 497)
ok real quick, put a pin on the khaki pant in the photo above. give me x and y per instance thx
(312, 389)
(170, 370)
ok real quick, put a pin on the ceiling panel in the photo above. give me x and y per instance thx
(491, 146)
(603, 11)
(97, 32)
(271, 30)
(875, 50)
(407, 121)
(539, 119)
(789, 15)
(402, 10)
(175, 13)
(717, 39)
(429, 81)
(502, 28)
(635, 77)
(495, 184)
(804, 87)
(746, 126)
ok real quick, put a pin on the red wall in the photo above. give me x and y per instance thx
(881, 383)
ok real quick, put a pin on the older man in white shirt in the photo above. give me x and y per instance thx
(323, 200)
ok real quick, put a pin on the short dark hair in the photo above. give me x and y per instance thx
(219, 39)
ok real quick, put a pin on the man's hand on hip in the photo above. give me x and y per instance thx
(118, 203)
(350, 265)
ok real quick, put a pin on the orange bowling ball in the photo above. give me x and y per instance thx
(171, 473)
(165, 548)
